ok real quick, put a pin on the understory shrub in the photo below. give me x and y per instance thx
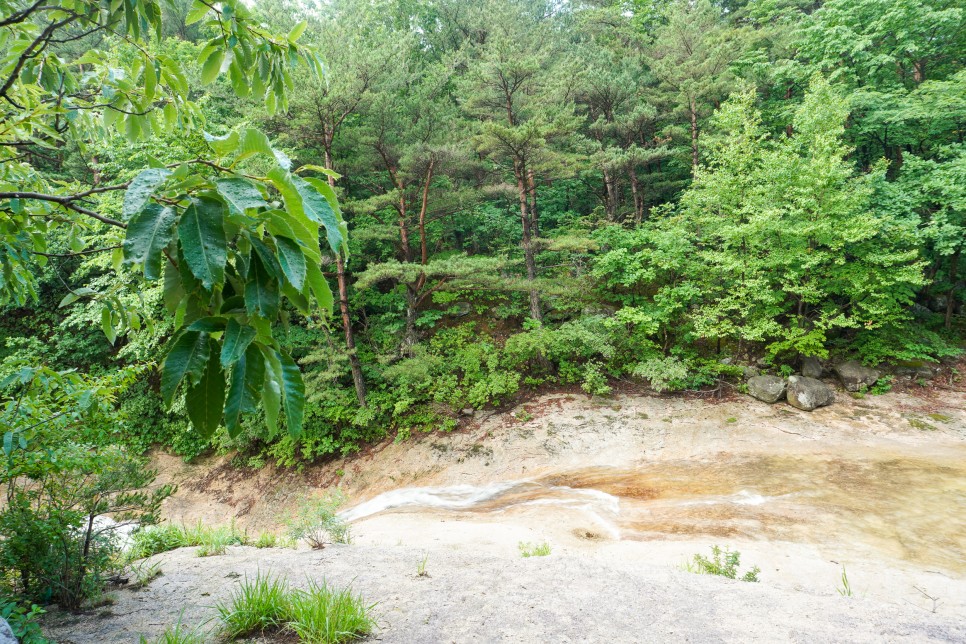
(316, 521)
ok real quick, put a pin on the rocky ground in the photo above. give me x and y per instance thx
(474, 597)
(875, 483)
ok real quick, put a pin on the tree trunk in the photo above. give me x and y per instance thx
(951, 297)
(534, 213)
(638, 196)
(611, 205)
(693, 108)
(350, 342)
(529, 256)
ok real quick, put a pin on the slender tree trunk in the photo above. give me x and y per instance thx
(534, 213)
(529, 256)
(951, 297)
(611, 205)
(350, 342)
(693, 108)
(638, 196)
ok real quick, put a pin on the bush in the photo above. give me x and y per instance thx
(23, 620)
(318, 524)
(723, 563)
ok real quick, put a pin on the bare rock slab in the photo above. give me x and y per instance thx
(769, 389)
(808, 393)
(855, 376)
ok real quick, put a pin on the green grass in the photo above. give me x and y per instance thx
(723, 563)
(319, 614)
(152, 540)
(528, 549)
(180, 634)
(324, 614)
(257, 605)
(846, 589)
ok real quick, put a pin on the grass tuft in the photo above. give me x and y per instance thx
(528, 549)
(256, 606)
(723, 563)
(324, 614)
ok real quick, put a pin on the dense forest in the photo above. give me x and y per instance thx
(287, 228)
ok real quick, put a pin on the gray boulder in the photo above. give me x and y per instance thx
(6, 633)
(856, 377)
(915, 370)
(808, 393)
(750, 372)
(769, 389)
(812, 368)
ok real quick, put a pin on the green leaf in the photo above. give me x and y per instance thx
(240, 194)
(235, 343)
(319, 286)
(255, 142)
(244, 391)
(148, 234)
(292, 261)
(198, 11)
(297, 31)
(318, 209)
(107, 324)
(205, 400)
(272, 389)
(141, 188)
(212, 66)
(293, 392)
(222, 145)
(210, 324)
(203, 242)
(187, 356)
(261, 291)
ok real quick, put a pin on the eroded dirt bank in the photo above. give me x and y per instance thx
(625, 490)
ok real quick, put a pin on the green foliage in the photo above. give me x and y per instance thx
(61, 484)
(210, 540)
(528, 549)
(320, 613)
(255, 606)
(724, 563)
(317, 522)
(22, 620)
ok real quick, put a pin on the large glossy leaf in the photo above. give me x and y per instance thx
(272, 389)
(140, 190)
(240, 194)
(203, 242)
(293, 394)
(187, 357)
(320, 288)
(235, 343)
(245, 390)
(261, 291)
(318, 209)
(206, 399)
(254, 141)
(148, 233)
(292, 260)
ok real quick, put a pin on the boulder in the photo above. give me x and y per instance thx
(812, 368)
(769, 389)
(808, 393)
(915, 370)
(6, 633)
(750, 372)
(856, 377)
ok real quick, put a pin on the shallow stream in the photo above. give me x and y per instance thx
(905, 507)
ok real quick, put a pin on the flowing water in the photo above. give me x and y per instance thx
(909, 507)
